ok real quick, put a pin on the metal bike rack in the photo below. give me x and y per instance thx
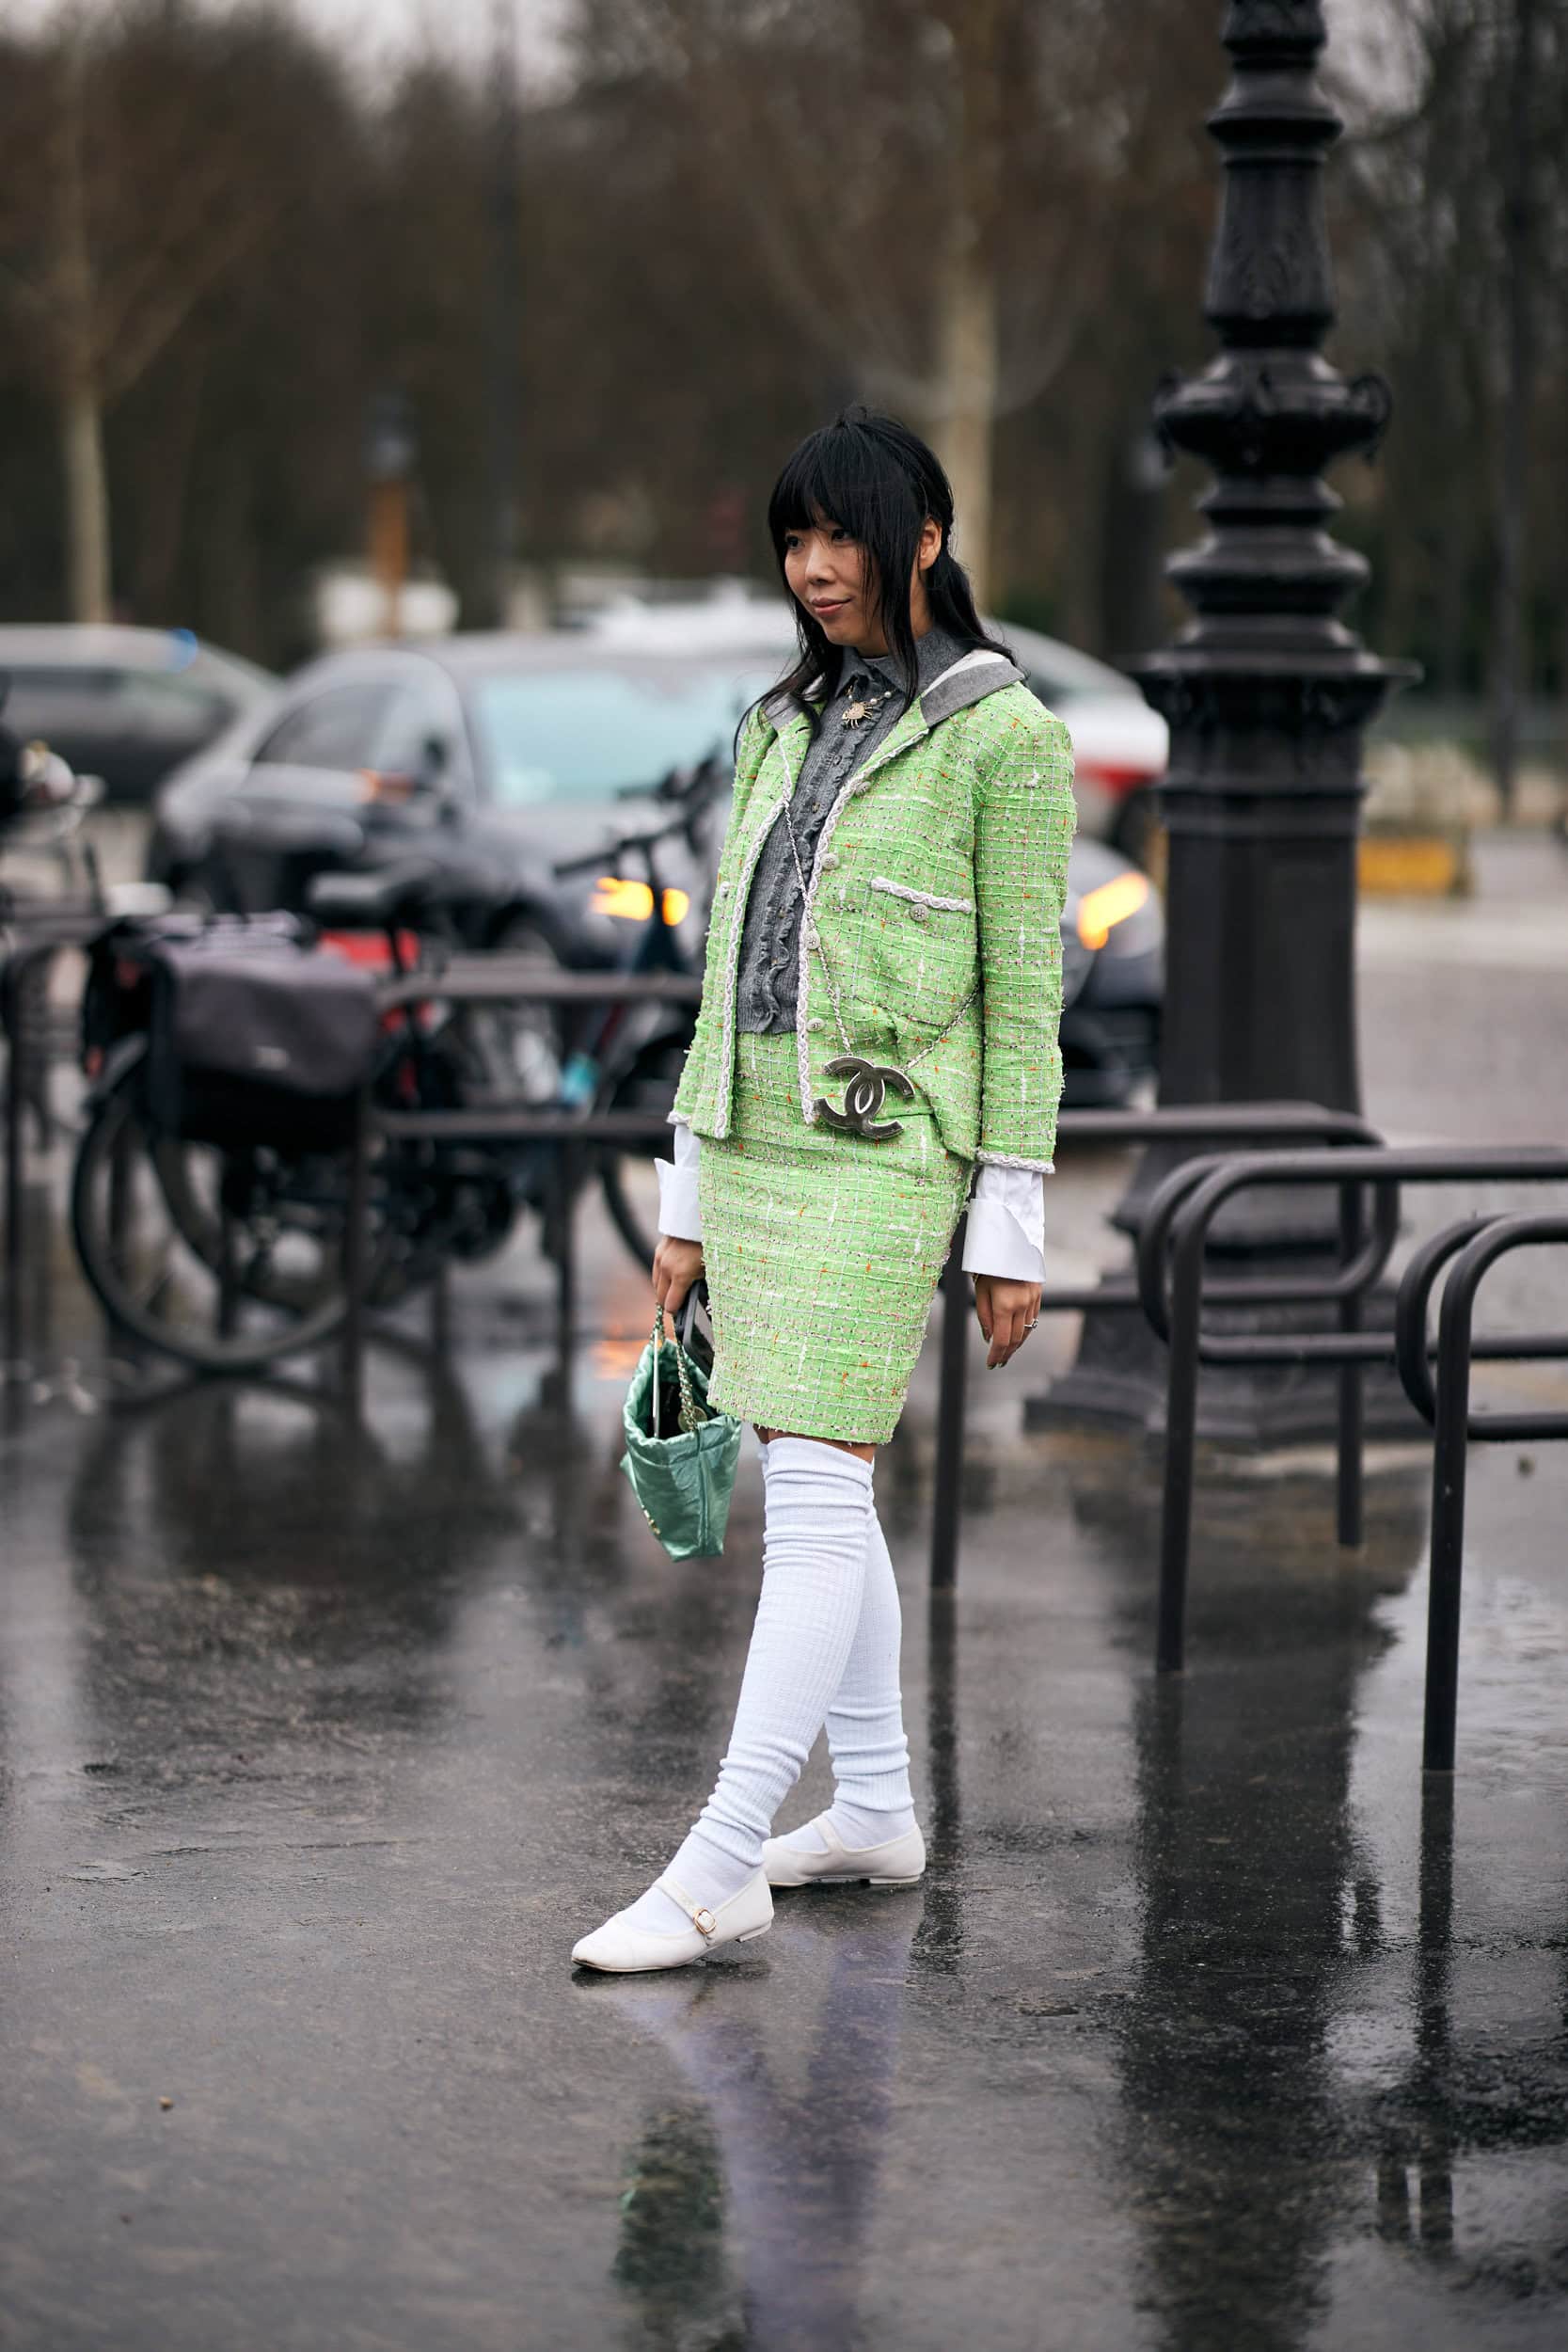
(499, 981)
(1475, 1243)
(1180, 1215)
(1184, 1122)
(1179, 1222)
(517, 980)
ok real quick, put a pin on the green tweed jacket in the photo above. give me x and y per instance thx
(935, 896)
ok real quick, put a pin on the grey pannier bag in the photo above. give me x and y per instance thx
(258, 1043)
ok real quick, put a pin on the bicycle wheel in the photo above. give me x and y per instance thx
(224, 1259)
(626, 1172)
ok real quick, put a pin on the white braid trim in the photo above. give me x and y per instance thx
(1008, 1159)
(922, 897)
(889, 749)
(803, 1043)
(740, 897)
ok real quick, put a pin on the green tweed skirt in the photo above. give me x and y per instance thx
(823, 1255)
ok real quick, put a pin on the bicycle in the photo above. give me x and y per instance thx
(229, 1257)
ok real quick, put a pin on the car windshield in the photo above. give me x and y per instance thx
(585, 734)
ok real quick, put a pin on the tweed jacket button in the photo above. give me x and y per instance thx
(816, 1023)
(919, 913)
(813, 938)
(829, 863)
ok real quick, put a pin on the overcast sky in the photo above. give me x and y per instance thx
(389, 25)
(466, 28)
(382, 30)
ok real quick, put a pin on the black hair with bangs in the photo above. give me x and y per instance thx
(880, 481)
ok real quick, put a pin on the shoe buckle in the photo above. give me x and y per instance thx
(703, 1920)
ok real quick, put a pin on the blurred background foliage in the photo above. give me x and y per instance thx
(613, 304)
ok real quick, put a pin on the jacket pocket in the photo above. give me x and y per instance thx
(927, 898)
(916, 954)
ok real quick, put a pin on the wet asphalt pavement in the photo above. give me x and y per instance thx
(1209, 2029)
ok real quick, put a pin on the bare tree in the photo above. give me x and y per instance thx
(1525, 41)
(922, 184)
(124, 204)
(219, 240)
(1459, 191)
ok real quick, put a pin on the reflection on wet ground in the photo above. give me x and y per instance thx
(1208, 2030)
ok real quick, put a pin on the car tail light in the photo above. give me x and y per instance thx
(633, 901)
(627, 901)
(1100, 910)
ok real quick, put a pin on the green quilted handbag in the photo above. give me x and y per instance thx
(683, 1477)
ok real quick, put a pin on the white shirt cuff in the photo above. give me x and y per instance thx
(1006, 1235)
(679, 1213)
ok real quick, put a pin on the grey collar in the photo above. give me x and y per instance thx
(951, 683)
(978, 674)
(933, 653)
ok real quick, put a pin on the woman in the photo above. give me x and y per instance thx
(878, 1020)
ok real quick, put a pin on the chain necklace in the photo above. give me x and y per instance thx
(869, 1081)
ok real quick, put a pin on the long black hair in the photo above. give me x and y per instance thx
(880, 481)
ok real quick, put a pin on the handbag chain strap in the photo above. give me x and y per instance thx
(692, 1414)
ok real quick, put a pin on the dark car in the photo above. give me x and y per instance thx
(498, 757)
(501, 757)
(128, 705)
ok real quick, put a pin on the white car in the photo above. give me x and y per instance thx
(1119, 745)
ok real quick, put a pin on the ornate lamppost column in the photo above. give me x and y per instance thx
(1267, 695)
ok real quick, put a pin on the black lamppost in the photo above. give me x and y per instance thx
(1267, 693)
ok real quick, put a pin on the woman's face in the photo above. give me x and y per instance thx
(826, 570)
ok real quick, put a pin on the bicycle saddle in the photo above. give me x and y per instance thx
(373, 902)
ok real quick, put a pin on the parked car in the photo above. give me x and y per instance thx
(497, 756)
(1120, 746)
(128, 705)
(501, 757)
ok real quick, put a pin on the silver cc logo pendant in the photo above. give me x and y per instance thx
(862, 1098)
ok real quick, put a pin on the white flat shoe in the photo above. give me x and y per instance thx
(898, 1862)
(623, 1950)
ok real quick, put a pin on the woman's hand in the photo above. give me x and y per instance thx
(676, 1266)
(1008, 1311)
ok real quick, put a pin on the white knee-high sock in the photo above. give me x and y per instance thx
(816, 1524)
(871, 1798)
(866, 1740)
